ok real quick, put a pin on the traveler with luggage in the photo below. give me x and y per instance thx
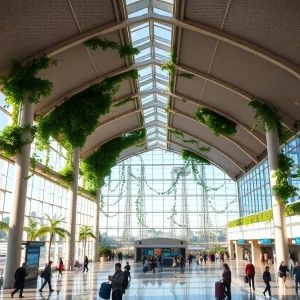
(282, 273)
(127, 269)
(250, 272)
(116, 283)
(267, 279)
(47, 274)
(227, 281)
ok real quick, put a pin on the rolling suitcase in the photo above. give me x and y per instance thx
(219, 290)
(145, 269)
(104, 292)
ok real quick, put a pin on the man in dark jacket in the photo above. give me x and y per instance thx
(47, 277)
(296, 273)
(20, 275)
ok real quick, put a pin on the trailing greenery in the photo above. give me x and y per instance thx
(179, 135)
(104, 44)
(270, 118)
(124, 102)
(188, 155)
(98, 165)
(11, 139)
(283, 189)
(265, 216)
(215, 122)
(170, 66)
(21, 81)
(78, 117)
(67, 174)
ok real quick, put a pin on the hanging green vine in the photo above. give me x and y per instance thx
(179, 135)
(283, 189)
(104, 44)
(78, 117)
(11, 139)
(189, 156)
(170, 66)
(123, 102)
(215, 122)
(21, 81)
(98, 165)
(271, 120)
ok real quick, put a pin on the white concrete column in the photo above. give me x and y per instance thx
(280, 231)
(96, 226)
(239, 251)
(71, 222)
(255, 251)
(231, 249)
(16, 223)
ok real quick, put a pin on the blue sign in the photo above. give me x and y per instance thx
(297, 240)
(265, 241)
(241, 242)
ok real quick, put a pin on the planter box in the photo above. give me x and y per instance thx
(103, 259)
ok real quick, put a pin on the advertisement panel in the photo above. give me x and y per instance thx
(32, 261)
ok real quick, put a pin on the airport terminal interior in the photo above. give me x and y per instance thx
(162, 133)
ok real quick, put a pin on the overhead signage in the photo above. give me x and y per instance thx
(241, 242)
(265, 241)
(35, 244)
(297, 240)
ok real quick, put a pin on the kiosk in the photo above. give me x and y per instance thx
(32, 259)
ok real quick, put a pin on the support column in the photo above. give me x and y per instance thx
(255, 251)
(231, 249)
(280, 233)
(239, 251)
(96, 227)
(16, 223)
(71, 222)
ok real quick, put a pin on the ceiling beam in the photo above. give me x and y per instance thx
(189, 25)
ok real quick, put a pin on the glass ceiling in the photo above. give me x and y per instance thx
(154, 41)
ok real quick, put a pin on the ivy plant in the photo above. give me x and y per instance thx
(216, 123)
(188, 155)
(104, 44)
(123, 102)
(179, 135)
(170, 66)
(270, 119)
(22, 80)
(78, 117)
(98, 165)
(283, 189)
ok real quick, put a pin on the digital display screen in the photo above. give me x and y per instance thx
(32, 262)
(148, 251)
(174, 252)
(158, 251)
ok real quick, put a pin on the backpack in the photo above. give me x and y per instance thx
(125, 281)
(42, 274)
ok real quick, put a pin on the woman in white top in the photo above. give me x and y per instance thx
(174, 264)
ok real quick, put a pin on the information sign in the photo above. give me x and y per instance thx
(265, 241)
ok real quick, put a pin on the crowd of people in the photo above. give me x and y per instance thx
(150, 263)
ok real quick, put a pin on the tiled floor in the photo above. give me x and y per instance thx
(195, 283)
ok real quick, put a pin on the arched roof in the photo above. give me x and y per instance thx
(236, 50)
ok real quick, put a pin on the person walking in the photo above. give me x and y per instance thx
(174, 263)
(182, 264)
(201, 260)
(292, 265)
(60, 267)
(19, 284)
(227, 280)
(250, 272)
(205, 257)
(282, 273)
(197, 259)
(190, 259)
(267, 279)
(116, 282)
(296, 276)
(159, 261)
(47, 277)
(85, 264)
(217, 257)
(127, 268)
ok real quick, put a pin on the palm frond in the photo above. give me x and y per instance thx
(4, 226)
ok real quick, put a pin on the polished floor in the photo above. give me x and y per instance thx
(195, 283)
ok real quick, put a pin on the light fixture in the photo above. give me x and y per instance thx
(296, 103)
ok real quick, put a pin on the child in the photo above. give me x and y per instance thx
(127, 268)
(267, 279)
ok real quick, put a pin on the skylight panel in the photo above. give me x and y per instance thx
(158, 70)
(161, 86)
(149, 119)
(131, 1)
(149, 130)
(163, 26)
(162, 52)
(140, 34)
(162, 12)
(160, 110)
(145, 71)
(138, 13)
(162, 98)
(149, 111)
(147, 99)
(162, 119)
(152, 143)
(152, 136)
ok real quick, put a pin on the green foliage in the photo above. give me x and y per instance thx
(78, 117)
(104, 44)
(104, 251)
(271, 120)
(21, 81)
(98, 165)
(292, 209)
(11, 139)
(85, 232)
(188, 155)
(124, 102)
(170, 66)
(179, 135)
(67, 174)
(283, 189)
(32, 230)
(4, 226)
(215, 122)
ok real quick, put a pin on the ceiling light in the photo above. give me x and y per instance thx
(296, 103)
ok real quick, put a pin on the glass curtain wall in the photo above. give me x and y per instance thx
(135, 208)
(254, 188)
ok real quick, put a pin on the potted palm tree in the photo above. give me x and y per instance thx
(85, 232)
(32, 230)
(53, 229)
(104, 252)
